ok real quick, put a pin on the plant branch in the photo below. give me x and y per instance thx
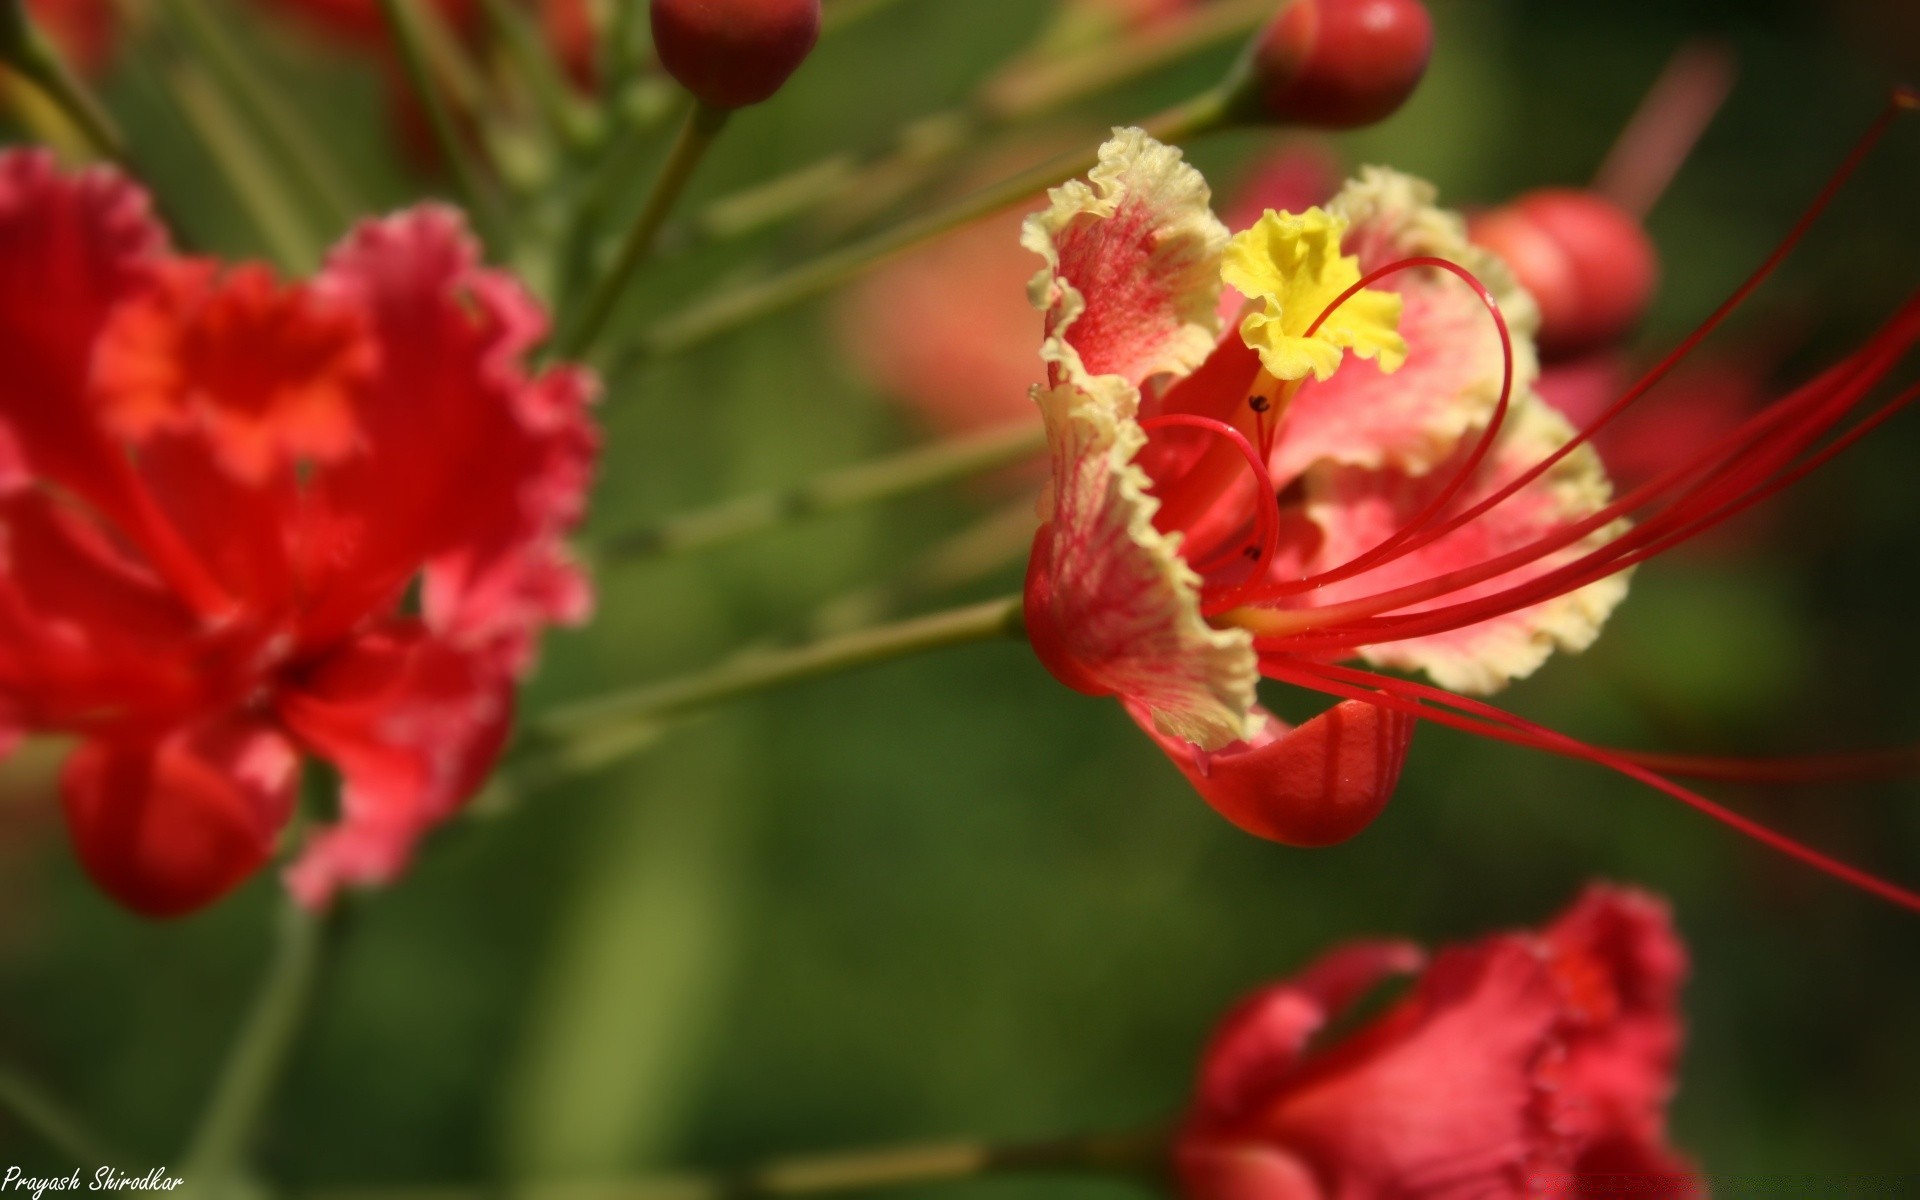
(831, 491)
(728, 310)
(215, 1157)
(56, 1125)
(27, 49)
(410, 36)
(1026, 90)
(697, 133)
(1133, 1154)
(301, 151)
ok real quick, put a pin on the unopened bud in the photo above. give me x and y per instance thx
(1335, 64)
(732, 53)
(1586, 262)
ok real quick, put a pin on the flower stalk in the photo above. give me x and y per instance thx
(593, 732)
(1138, 1153)
(1026, 91)
(27, 49)
(700, 322)
(258, 1057)
(697, 133)
(410, 38)
(50, 1119)
(829, 492)
(577, 126)
(301, 151)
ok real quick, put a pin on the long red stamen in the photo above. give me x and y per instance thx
(1859, 766)
(1733, 465)
(1438, 705)
(1267, 516)
(1396, 544)
(1641, 543)
(1903, 100)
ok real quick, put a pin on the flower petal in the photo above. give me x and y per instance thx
(1442, 1096)
(170, 825)
(414, 725)
(1262, 1042)
(1132, 274)
(1450, 381)
(1621, 964)
(74, 246)
(1315, 785)
(1358, 509)
(469, 461)
(1112, 608)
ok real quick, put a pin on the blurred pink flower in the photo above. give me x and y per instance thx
(1519, 1065)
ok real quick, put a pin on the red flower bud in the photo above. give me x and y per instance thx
(732, 53)
(1587, 262)
(1337, 64)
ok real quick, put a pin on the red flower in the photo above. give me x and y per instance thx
(1520, 1065)
(243, 519)
(1224, 508)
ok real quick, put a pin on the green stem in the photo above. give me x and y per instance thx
(410, 36)
(28, 50)
(215, 1157)
(593, 732)
(832, 491)
(697, 133)
(266, 204)
(1140, 1154)
(301, 151)
(1026, 90)
(44, 1115)
(702, 321)
(571, 121)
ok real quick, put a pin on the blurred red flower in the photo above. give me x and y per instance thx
(1523, 1064)
(242, 520)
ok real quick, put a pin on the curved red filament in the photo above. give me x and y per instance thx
(1267, 517)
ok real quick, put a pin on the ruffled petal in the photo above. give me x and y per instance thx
(1263, 1040)
(469, 462)
(414, 725)
(169, 825)
(1358, 509)
(74, 246)
(1621, 965)
(1413, 419)
(1132, 274)
(1440, 1098)
(1315, 785)
(1112, 608)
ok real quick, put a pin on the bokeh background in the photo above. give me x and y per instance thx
(948, 897)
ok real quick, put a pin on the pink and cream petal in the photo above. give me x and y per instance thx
(1449, 384)
(1112, 608)
(1357, 509)
(1132, 274)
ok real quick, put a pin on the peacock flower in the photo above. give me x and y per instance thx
(1357, 468)
(1522, 1064)
(245, 521)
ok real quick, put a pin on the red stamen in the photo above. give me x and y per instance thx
(1392, 547)
(1860, 766)
(1903, 100)
(1732, 464)
(1487, 721)
(1267, 517)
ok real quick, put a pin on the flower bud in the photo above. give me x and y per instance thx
(732, 53)
(1586, 262)
(1336, 64)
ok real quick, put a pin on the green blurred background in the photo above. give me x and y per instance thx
(948, 897)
